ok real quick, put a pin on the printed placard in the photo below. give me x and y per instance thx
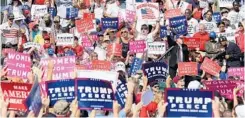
(187, 68)
(84, 24)
(163, 32)
(85, 41)
(101, 65)
(60, 90)
(111, 23)
(180, 29)
(121, 92)
(52, 11)
(172, 13)
(88, 15)
(31, 44)
(19, 65)
(135, 66)
(64, 39)
(156, 47)
(71, 13)
(37, 11)
(217, 17)
(236, 72)
(147, 11)
(226, 3)
(210, 67)
(16, 93)
(115, 49)
(225, 87)
(137, 46)
(177, 20)
(63, 67)
(155, 71)
(94, 94)
(130, 15)
(188, 103)
(192, 43)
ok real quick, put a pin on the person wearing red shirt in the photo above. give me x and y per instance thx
(239, 37)
(203, 35)
(77, 48)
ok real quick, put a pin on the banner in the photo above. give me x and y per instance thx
(19, 65)
(94, 94)
(101, 65)
(192, 43)
(225, 3)
(156, 47)
(135, 66)
(210, 67)
(37, 11)
(137, 46)
(187, 68)
(188, 103)
(147, 11)
(115, 49)
(177, 20)
(180, 29)
(229, 34)
(60, 90)
(63, 67)
(52, 11)
(121, 92)
(111, 23)
(32, 44)
(155, 71)
(163, 32)
(172, 13)
(225, 87)
(236, 72)
(130, 16)
(71, 13)
(217, 17)
(16, 93)
(84, 24)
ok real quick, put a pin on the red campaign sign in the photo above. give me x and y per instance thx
(172, 13)
(225, 87)
(101, 65)
(84, 24)
(192, 43)
(187, 68)
(88, 16)
(7, 50)
(236, 72)
(137, 46)
(17, 94)
(86, 42)
(19, 65)
(210, 67)
(115, 49)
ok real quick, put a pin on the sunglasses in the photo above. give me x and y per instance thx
(156, 86)
(240, 26)
(144, 28)
(11, 19)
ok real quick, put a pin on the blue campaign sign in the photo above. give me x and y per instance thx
(180, 29)
(111, 23)
(61, 90)
(71, 13)
(135, 66)
(121, 92)
(189, 103)
(177, 20)
(52, 11)
(163, 32)
(155, 71)
(217, 17)
(94, 94)
(34, 101)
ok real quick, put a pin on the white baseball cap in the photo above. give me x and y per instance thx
(120, 66)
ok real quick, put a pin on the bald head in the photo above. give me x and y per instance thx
(202, 28)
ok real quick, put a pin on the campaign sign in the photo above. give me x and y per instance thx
(101, 65)
(177, 20)
(135, 66)
(60, 90)
(19, 64)
(180, 29)
(217, 17)
(64, 39)
(172, 13)
(85, 41)
(236, 72)
(130, 15)
(111, 23)
(188, 103)
(63, 67)
(187, 68)
(37, 11)
(31, 44)
(155, 71)
(94, 94)
(210, 67)
(84, 24)
(121, 92)
(88, 15)
(115, 49)
(147, 11)
(52, 11)
(17, 93)
(71, 13)
(137, 46)
(156, 47)
(7, 50)
(192, 43)
(163, 32)
(225, 87)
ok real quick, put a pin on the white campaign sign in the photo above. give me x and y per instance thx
(147, 11)
(156, 48)
(31, 44)
(64, 39)
(38, 11)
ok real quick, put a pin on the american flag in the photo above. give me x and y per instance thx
(147, 13)
(10, 33)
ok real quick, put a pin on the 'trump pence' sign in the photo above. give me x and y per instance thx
(64, 39)
(94, 94)
(189, 103)
(156, 48)
(111, 23)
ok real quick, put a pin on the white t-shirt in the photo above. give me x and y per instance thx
(235, 17)
(101, 53)
(211, 26)
(192, 24)
(112, 9)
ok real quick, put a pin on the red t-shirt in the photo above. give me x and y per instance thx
(239, 37)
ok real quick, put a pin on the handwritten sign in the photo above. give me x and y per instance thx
(111, 23)
(172, 13)
(210, 67)
(192, 43)
(137, 46)
(156, 48)
(147, 11)
(115, 49)
(187, 68)
(236, 72)
(84, 24)
(31, 44)
(101, 65)
(64, 39)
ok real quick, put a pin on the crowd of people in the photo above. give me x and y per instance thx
(221, 41)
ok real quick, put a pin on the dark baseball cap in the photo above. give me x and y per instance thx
(10, 16)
